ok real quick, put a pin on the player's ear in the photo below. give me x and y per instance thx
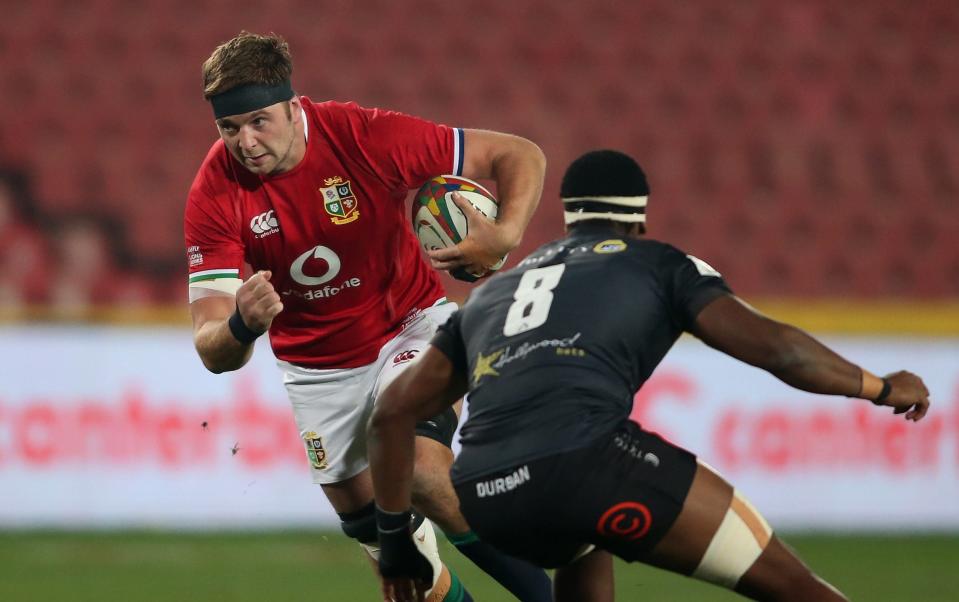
(294, 111)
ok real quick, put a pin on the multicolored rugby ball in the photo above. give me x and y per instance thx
(439, 223)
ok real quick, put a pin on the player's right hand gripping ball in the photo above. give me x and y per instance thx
(439, 223)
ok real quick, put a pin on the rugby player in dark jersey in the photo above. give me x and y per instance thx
(552, 353)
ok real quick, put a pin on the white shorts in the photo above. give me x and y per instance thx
(332, 407)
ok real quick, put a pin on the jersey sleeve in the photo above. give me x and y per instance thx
(449, 340)
(691, 285)
(213, 245)
(403, 151)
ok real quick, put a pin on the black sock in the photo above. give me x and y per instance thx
(525, 581)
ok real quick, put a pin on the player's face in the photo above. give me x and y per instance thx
(265, 141)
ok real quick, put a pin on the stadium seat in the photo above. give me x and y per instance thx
(817, 137)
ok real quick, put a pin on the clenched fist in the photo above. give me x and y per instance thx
(907, 394)
(258, 302)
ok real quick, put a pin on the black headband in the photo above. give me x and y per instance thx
(250, 97)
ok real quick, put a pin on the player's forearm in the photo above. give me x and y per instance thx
(805, 363)
(519, 172)
(219, 350)
(732, 326)
(391, 449)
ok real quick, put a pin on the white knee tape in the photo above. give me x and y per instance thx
(372, 550)
(740, 539)
(425, 540)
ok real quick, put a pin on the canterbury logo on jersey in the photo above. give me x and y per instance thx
(264, 224)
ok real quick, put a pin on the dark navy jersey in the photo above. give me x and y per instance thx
(555, 349)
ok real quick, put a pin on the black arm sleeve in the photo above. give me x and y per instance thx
(449, 340)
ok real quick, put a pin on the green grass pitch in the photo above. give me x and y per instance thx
(326, 567)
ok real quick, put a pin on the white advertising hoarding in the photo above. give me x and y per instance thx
(811, 461)
(111, 427)
(104, 427)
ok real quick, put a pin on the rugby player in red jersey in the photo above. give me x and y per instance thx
(311, 195)
(552, 353)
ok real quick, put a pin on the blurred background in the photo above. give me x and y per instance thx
(808, 150)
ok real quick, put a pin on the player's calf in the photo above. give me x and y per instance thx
(780, 575)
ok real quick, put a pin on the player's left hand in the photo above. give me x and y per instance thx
(485, 244)
(407, 574)
(908, 395)
(404, 590)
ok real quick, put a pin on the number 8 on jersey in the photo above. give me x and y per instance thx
(533, 298)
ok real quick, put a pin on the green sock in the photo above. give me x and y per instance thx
(461, 539)
(457, 591)
(525, 581)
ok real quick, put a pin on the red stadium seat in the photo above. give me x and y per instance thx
(805, 149)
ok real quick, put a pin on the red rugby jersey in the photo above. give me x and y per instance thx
(333, 230)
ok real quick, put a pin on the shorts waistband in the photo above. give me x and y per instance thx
(414, 313)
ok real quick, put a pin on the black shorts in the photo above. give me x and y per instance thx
(440, 427)
(621, 493)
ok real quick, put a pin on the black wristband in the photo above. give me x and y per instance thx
(393, 522)
(884, 392)
(240, 330)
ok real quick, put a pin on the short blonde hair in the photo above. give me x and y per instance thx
(248, 58)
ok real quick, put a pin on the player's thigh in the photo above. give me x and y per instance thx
(350, 495)
(433, 493)
(633, 501)
(721, 538)
(405, 348)
(331, 409)
(517, 511)
(683, 546)
(620, 492)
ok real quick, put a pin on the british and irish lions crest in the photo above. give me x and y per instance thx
(339, 201)
(315, 450)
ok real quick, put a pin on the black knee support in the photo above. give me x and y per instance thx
(361, 524)
(440, 427)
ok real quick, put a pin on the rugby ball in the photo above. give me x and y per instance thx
(439, 223)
